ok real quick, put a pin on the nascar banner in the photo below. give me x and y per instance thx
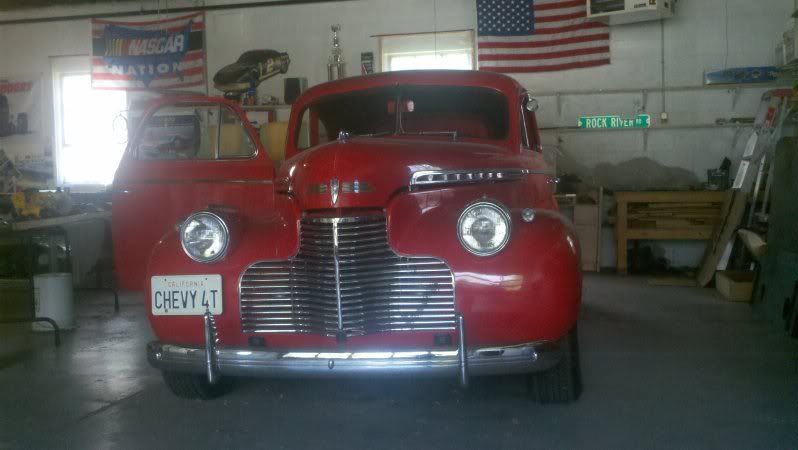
(161, 54)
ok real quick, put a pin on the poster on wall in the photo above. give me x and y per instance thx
(26, 159)
(155, 55)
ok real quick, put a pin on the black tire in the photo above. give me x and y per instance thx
(562, 383)
(192, 386)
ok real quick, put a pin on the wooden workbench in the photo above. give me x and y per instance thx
(664, 215)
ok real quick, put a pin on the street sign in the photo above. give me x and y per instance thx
(593, 122)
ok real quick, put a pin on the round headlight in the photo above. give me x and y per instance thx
(204, 237)
(484, 228)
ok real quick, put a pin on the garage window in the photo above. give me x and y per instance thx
(90, 127)
(446, 50)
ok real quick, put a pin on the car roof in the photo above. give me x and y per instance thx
(497, 81)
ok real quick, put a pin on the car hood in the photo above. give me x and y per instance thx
(368, 171)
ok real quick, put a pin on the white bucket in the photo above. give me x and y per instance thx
(52, 294)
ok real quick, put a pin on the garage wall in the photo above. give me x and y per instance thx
(694, 41)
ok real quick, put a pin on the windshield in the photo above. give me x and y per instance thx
(454, 111)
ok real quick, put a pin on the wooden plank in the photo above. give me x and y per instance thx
(620, 232)
(688, 205)
(665, 234)
(672, 197)
(727, 229)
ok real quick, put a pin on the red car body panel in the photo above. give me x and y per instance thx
(530, 291)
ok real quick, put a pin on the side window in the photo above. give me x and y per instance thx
(529, 134)
(194, 132)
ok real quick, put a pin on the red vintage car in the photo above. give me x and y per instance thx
(411, 230)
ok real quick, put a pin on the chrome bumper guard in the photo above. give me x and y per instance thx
(215, 361)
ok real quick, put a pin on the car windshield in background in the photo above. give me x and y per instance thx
(456, 111)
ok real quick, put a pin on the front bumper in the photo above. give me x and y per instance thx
(214, 360)
(523, 358)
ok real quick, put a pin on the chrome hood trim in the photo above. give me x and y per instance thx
(425, 178)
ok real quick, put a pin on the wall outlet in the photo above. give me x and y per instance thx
(663, 117)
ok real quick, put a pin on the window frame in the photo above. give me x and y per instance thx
(399, 96)
(135, 145)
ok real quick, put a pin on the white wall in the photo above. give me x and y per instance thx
(695, 41)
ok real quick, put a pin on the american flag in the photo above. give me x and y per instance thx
(539, 36)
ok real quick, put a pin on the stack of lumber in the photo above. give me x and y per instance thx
(677, 215)
(673, 215)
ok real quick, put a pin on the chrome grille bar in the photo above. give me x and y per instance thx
(337, 276)
(345, 279)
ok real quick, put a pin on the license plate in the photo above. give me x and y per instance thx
(186, 295)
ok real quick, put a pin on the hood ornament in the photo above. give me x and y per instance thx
(334, 188)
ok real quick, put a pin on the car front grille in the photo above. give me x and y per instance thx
(346, 280)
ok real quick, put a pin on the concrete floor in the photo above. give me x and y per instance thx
(664, 367)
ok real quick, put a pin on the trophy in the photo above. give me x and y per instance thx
(335, 66)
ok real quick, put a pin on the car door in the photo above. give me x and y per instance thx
(188, 153)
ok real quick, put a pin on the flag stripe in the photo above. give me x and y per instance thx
(547, 19)
(551, 68)
(542, 50)
(549, 62)
(548, 43)
(194, 57)
(565, 26)
(541, 5)
(548, 55)
(182, 74)
(543, 38)
(559, 12)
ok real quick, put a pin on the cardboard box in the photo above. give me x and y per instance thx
(735, 286)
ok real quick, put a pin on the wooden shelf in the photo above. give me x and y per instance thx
(668, 215)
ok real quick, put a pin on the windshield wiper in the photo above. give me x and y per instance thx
(378, 134)
(435, 133)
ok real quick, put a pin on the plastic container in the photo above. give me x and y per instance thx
(52, 294)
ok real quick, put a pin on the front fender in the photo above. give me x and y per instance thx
(529, 291)
(273, 237)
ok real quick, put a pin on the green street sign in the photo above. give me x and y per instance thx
(594, 122)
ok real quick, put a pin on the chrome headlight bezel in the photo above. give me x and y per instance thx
(199, 216)
(503, 212)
